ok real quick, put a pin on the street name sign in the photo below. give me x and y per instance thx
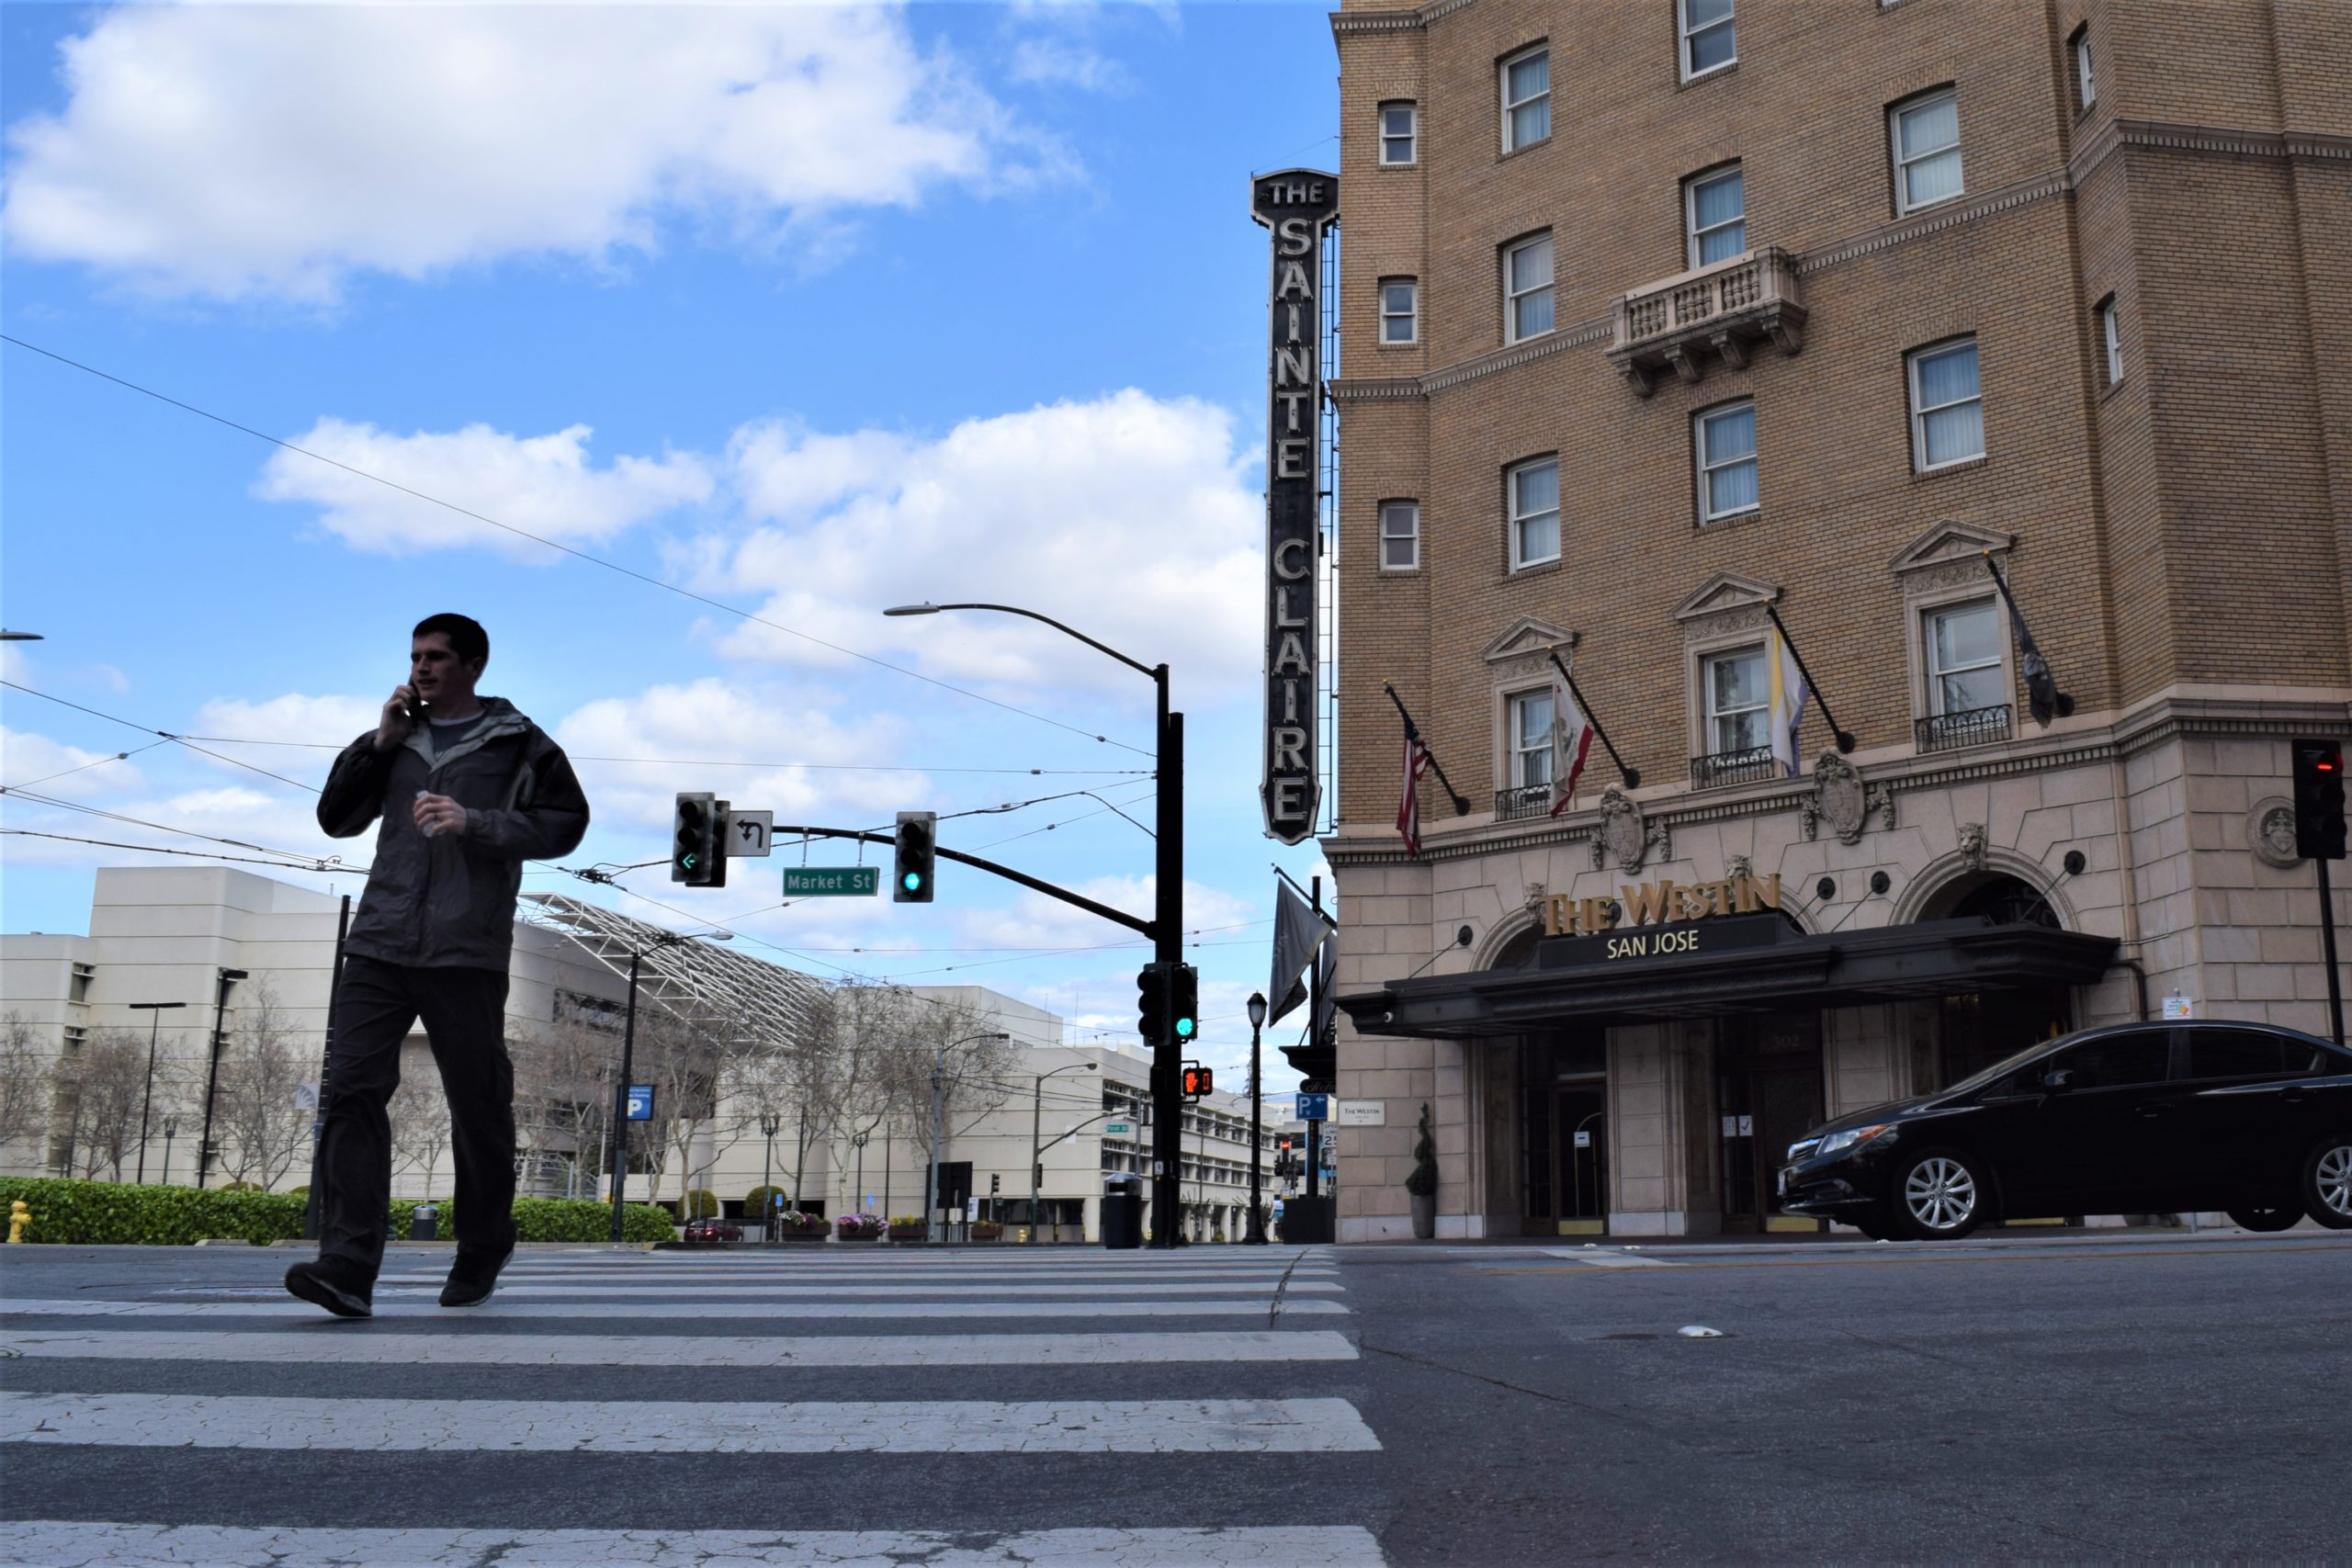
(748, 833)
(1116, 1129)
(832, 881)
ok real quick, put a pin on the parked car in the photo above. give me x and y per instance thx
(2134, 1119)
(713, 1230)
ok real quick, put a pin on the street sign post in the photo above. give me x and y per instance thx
(640, 1102)
(747, 833)
(832, 881)
(1313, 1107)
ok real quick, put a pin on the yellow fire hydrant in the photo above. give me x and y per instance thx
(21, 1215)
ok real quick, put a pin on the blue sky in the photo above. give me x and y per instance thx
(808, 309)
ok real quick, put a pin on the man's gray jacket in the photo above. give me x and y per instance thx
(449, 900)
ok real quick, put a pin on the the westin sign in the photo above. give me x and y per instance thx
(1298, 204)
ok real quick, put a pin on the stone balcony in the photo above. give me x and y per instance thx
(1720, 310)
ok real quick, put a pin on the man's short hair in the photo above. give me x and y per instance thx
(466, 640)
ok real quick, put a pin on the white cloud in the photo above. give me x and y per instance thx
(1126, 517)
(26, 757)
(324, 721)
(729, 722)
(543, 485)
(230, 150)
(1035, 920)
(1063, 62)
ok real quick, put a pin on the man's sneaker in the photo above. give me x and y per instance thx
(343, 1287)
(472, 1278)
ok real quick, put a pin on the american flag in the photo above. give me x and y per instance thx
(1408, 809)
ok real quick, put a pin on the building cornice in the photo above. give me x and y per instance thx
(1413, 21)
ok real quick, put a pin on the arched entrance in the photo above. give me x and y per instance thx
(1975, 1029)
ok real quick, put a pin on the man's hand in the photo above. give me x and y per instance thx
(394, 726)
(437, 814)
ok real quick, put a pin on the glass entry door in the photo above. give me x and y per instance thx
(1767, 1095)
(1580, 1148)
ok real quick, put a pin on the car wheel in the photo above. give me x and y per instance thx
(2264, 1219)
(1938, 1195)
(2327, 1181)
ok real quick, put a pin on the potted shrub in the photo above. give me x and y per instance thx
(909, 1227)
(859, 1227)
(1421, 1185)
(791, 1225)
(986, 1230)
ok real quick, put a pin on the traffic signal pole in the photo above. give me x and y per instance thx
(2327, 951)
(1167, 948)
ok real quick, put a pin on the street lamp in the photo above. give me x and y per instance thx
(1254, 1233)
(938, 1069)
(1036, 1156)
(1168, 908)
(155, 1011)
(222, 980)
(628, 1049)
(769, 1122)
(857, 1142)
(171, 1128)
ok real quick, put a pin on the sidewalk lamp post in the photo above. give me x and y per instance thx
(1168, 908)
(171, 1129)
(222, 980)
(938, 1080)
(628, 1049)
(155, 1011)
(857, 1142)
(1254, 1233)
(1036, 1154)
(769, 1122)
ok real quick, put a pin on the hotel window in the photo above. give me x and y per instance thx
(2110, 333)
(1400, 300)
(1715, 215)
(1530, 739)
(1400, 536)
(1724, 440)
(1707, 42)
(1399, 134)
(1527, 98)
(1527, 288)
(1927, 150)
(1963, 649)
(1947, 410)
(2085, 85)
(1534, 490)
(1737, 700)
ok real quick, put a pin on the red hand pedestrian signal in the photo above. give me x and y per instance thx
(1198, 1081)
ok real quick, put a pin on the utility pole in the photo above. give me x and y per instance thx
(1168, 947)
(225, 978)
(1314, 1026)
(931, 1187)
(620, 1161)
(155, 1011)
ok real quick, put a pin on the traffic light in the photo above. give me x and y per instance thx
(993, 1181)
(1198, 1080)
(1184, 1003)
(915, 851)
(695, 854)
(2319, 799)
(1151, 1003)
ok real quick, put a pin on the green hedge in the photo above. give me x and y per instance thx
(119, 1213)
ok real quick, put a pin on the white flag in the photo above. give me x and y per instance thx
(1790, 696)
(1571, 741)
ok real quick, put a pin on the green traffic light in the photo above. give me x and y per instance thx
(912, 881)
(1184, 1029)
(687, 861)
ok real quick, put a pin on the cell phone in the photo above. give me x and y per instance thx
(414, 709)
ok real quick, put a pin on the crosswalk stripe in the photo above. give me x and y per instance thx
(44, 1543)
(499, 1307)
(1236, 1279)
(507, 1426)
(704, 1350)
(695, 1292)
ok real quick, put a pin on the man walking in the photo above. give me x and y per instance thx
(467, 789)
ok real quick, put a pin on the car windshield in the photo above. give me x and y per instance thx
(2001, 1068)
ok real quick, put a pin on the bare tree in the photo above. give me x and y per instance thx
(420, 1113)
(563, 1098)
(258, 1122)
(100, 1090)
(24, 1079)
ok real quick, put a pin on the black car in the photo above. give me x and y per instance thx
(2135, 1119)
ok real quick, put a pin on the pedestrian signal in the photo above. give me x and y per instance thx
(915, 851)
(1198, 1081)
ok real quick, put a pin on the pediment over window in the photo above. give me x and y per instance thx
(1945, 542)
(1725, 590)
(1530, 636)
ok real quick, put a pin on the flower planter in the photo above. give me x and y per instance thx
(908, 1233)
(817, 1235)
(984, 1231)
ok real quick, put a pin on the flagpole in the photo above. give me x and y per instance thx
(1632, 775)
(1845, 736)
(2061, 705)
(1413, 732)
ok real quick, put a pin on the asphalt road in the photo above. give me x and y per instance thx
(2074, 1394)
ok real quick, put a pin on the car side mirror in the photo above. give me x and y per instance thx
(2058, 1080)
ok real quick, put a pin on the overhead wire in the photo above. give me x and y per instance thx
(612, 566)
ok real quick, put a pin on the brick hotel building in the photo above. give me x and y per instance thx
(1656, 314)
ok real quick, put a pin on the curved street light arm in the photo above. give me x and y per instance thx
(1134, 664)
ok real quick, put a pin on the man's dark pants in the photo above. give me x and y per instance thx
(464, 1015)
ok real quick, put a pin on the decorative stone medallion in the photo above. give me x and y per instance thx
(1625, 834)
(2270, 831)
(1841, 799)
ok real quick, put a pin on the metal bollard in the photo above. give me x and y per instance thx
(422, 1222)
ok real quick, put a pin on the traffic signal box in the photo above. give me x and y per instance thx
(1183, 1003)
(697, 856)
(1198, 1080)
(1151, 1003)
(914, 853)
(2319, 799)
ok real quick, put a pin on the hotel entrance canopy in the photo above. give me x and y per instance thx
(1742, 963)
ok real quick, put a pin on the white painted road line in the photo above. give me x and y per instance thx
(1237, 1279)
(685, 1293)
(500, 1307)
(700, 1350)
(1602, 1257)
(516, 1426)
(57, 1544)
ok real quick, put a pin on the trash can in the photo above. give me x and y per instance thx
(422, 1222)
(1121, 1213)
